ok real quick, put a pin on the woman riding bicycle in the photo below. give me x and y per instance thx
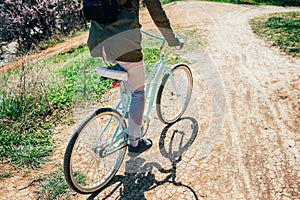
(120, 42)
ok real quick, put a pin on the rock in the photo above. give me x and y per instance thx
(4, 48)
(13, 47)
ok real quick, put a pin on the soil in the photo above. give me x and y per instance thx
(240, 135)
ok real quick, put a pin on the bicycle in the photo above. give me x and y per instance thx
(97, 148)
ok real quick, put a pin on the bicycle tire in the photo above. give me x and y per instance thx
(84, 168)
(169, 106)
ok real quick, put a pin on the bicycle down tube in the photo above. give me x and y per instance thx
(117, 135)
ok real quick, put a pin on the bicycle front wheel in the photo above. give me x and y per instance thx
(86, 168)
(174, 94)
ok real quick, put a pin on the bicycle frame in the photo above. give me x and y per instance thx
(151, 87)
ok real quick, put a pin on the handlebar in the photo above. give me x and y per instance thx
(163, 41)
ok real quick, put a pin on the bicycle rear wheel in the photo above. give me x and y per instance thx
(86, 168)
(174, 94)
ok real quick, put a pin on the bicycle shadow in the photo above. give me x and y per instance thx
(139, 176)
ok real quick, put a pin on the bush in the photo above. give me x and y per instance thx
(30, 22)
(280, 2)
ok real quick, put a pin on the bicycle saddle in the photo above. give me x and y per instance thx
(113, 72)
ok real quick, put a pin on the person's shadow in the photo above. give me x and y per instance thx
(139, 177)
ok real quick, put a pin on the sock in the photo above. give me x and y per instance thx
(134, 142)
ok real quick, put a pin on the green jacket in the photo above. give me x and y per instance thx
(121, 40)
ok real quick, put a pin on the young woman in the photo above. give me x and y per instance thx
(120, 42)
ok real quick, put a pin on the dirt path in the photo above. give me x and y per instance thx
(241, 131)
(62, 47)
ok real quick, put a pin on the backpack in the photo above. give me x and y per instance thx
(102, 11)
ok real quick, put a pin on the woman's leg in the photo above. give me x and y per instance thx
(135, 85)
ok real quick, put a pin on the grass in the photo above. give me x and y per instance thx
(262, 2)
(281, 30)
(233, 1)
(53, 186)
(36, 97)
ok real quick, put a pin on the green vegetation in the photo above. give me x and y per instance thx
(281, 30)
(34, 98)
(262, 2)
(53, 185)
(233, 1)
(168, 1)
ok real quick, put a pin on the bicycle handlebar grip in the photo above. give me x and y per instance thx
(180, 43)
